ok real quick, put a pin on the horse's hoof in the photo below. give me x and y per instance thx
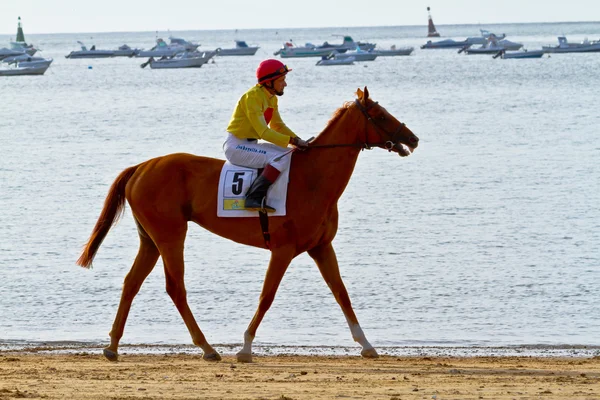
(369, 353)
(214, 356)
(111, 355)
(244, 357)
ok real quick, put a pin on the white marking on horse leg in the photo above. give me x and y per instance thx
(359, 336)
(248, 339)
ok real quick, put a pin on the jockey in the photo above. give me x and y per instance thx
(255, 117)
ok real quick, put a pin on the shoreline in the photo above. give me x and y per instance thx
(72, 347)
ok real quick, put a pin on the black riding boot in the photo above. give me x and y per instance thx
(257, 195)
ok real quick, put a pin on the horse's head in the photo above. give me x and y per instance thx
(383, 129)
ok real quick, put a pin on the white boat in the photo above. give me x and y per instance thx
(25, 60)
(181, 60)
(91, 53)
(485, 35)
(357, 55)
(347, 44)
(289, 50)
(241, 49)
(565, 47)
(393, 51)
(493, 46)
(31, 70)
(4, 53)
(188, 46)
(520, 54)
(328, 60)
(162, 49)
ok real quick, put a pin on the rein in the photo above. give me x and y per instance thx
(388, 145)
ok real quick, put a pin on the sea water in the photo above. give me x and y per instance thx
(488, 235)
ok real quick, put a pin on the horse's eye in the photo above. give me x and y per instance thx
(382, 118)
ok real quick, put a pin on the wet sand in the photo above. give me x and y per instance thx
(87, 375)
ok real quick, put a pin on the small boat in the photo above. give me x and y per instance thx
(289, 50)
(241, 49)
(329, 60)
(520, 54)
(26, 60)
(186, 59)
(4, 53)
(162, 49)
(565, 47)
(393, 51)
(91, 53)
(493, 46)
(30, 70)
(357, 55)
(431, 31)
(446, 44)
(347, 44)
(188, 46)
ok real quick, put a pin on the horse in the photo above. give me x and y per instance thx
(165, 193)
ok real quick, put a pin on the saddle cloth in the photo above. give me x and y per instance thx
(235, 182)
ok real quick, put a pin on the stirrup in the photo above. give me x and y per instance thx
(265, 207)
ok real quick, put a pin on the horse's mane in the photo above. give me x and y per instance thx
(337, 114)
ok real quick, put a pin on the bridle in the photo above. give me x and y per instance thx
(389, 145)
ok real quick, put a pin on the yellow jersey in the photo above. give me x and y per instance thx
(256, 116)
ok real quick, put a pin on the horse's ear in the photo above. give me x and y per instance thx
(359, 94)
(366, 93)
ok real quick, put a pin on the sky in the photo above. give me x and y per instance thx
(70, 16)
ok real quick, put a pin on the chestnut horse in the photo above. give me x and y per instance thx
(164, 193)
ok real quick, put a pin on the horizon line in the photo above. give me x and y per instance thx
(316, 27)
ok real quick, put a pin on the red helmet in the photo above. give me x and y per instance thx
(269, 70)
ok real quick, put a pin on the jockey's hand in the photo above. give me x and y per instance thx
(299, 143)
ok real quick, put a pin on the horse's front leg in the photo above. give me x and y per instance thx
(324, 256)
(280, 260)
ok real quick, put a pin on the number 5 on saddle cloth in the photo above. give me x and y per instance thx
(235, 182)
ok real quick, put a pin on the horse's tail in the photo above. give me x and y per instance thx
(114, 205)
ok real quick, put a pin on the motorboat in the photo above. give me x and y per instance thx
(289, 50)
(25, 60)
(357, 55)
(186, 59)
(493, 46)
(520, 54)
(4, 53)
(125, 51)
(91, 53)
(329, 60)
(28, 70)
(347, 44)
(565, 47)
(162, 49)
(393, 51)
(241, 49)
(188, 46)
(485, 36)
(446, 44)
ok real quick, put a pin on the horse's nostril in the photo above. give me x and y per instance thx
(414, 139)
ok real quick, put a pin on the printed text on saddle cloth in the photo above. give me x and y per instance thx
(235, 182)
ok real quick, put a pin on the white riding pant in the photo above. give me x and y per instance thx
(255, 154)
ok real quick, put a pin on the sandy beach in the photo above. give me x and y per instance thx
(87, 375)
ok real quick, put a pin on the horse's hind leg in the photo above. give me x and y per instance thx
(172, 255)
(280, 260)
(142, 266)
(325, 258)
